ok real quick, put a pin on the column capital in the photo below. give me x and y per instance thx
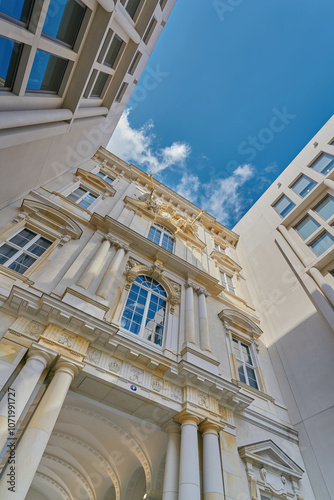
(116, 243)
(172, 427)
(202, 291)
(187, 417)
(40, 353)
(210, 425)
(69, 366)
(191, 284)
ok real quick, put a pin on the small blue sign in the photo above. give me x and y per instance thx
(133, 387)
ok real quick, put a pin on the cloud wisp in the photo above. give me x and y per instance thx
(136, 146)
(220, 197)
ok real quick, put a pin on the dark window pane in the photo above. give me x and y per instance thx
(47, 72)
(22, 263)
(323, 243)
(6, 252)
(114, 50)
(18, 9)
(100, 82)
(242, 377)
(63, 20)
(23, 237)
(134, 63)
(132, 7)
(9, 56)
(40, 246)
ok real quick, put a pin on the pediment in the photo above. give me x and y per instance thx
(96, 182)
(267, 454)
(240, 321)
(225, 260)
(52, 218)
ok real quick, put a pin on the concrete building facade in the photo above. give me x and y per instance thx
(286, 249)
(132, 362)
(67, 71)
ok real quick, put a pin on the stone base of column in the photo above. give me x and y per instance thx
(213, 496)
(203, 359)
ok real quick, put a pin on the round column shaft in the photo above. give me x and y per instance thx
(23, 387)
(322, 283)
(203, 323)
(111, 273)
(95, 265)
(36, 436)
(189, 314)
(189, 484)
(212, 470)
(171, 478)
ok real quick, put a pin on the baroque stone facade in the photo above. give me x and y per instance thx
(131, 343)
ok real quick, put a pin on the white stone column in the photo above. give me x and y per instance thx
(329, 183)
(285, 233)
(322, 283)
(95, 265)
(23, 386)
(36, 436)
(212, 470)
(189, 484)
(203, 320)
(189, 314)
(171, 478)
(109, 277)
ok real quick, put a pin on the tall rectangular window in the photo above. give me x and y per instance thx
(161, 236)
(326, 207)
(324, 164)
(303, 186)
(114, 52)
(131, 6)
(47, 72)
(135, 62)
(306, 227)
(149, 31)
(22, 250)
(121, 92)
(284, 206)
(227, 282)
(245, 365)
(63, 20)
(322, 243)
(99, 84)
(9, 58)
(105, 177)
(82, 197)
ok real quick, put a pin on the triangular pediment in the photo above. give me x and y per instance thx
(96, 182)
(268, 454)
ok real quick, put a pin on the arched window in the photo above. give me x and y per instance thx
(145, 309)
(162, 237)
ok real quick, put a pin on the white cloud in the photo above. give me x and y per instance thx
(136, 146)
(220, 196)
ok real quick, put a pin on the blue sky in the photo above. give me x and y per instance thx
(233, 91)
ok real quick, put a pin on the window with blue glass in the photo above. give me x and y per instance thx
(324, 164)
(105, 177)
(322, 243)
(162, 237)
(82, 197)
(306, 227)
(18, 10)
(326, 207)
(284, 206)
(245, 364)
(145, 309)
(9, 58)
(63, 20)
(22, 250)
(47, 72)
(303, 186)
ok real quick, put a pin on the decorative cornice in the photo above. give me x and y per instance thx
(239, 322)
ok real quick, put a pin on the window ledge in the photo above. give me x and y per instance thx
(139, 340)
(17, 276)
(255, 392)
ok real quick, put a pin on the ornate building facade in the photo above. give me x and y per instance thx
(132, 358)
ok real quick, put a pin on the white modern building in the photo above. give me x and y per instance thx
(286, 250)
(132, 358)
(67, 71)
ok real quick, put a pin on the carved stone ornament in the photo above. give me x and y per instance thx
(136, 374)
(173, 300)
(176, 393)
(20, 216)
(157, 385)
(252, 486)
(34, 329)
(93, 355)
(115, 365)
(203, 400)
(66, 340)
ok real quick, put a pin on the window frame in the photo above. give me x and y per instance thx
(141, 332)
(105, 176)
(315, 161)
(163, 231)
(25, 249)
(312, 181)
(293, 205)
(79, 31)
(228, 285)
(81, 198)
(244, 363)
